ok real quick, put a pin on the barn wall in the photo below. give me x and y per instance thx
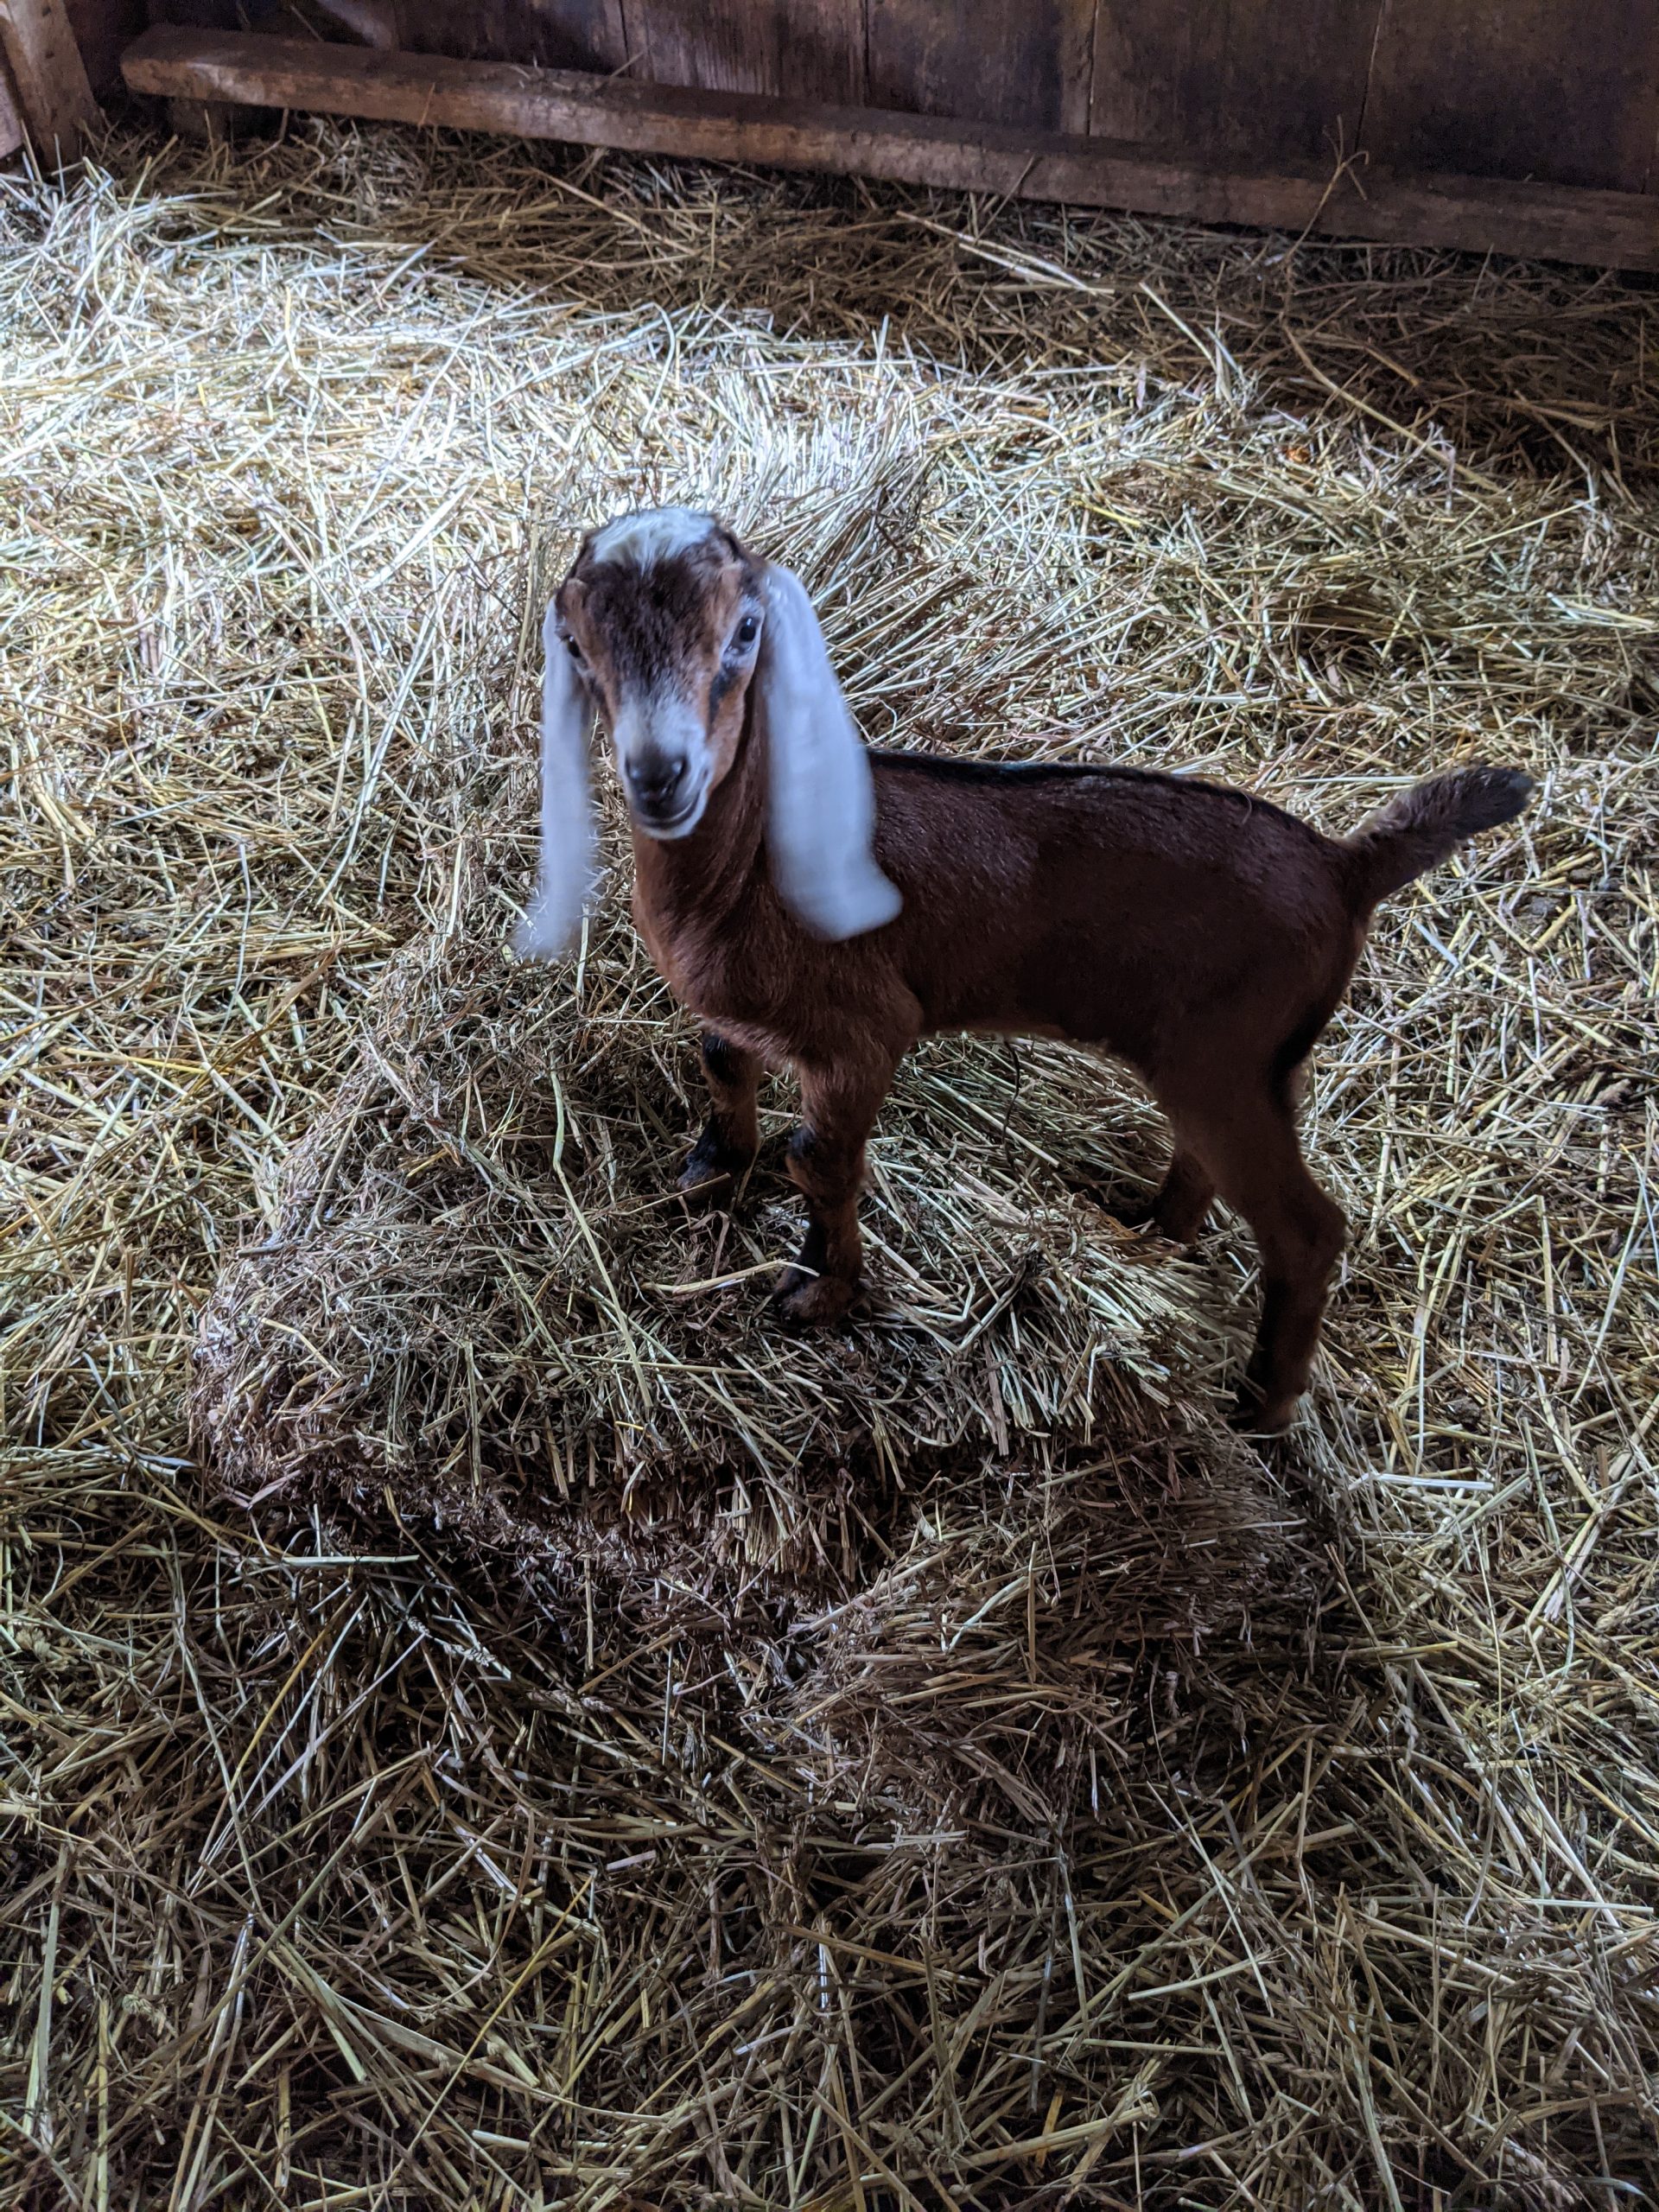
(1547, 92)
(1565, 91)
(1562, 92)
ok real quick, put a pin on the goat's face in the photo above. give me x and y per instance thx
(658, 628)
(662, 616)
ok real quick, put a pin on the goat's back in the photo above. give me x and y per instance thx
(1140, 913)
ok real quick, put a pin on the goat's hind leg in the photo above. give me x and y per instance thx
(725, 1151)
(1250, 1146)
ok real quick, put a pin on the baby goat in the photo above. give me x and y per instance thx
(823, 907)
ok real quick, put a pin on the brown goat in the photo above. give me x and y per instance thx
(822, 907)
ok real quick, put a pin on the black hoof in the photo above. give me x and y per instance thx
(712, 1172)
(803, 1300)
(806, 1291)
(1254, 1416)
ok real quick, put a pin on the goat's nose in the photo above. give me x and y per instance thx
(654, 778)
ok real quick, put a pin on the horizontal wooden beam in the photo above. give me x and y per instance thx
(1478, 214)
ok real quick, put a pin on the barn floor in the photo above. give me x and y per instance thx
(361, 1854)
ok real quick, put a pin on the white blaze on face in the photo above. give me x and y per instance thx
(656, 534)
(658, 717)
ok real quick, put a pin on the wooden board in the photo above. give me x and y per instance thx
(49, 78)
(1621, 229)
(1017, 62)
(553, 34)
(1261, 79)
(11, 118)
(102, 27)
(798, 50)
(1563, 91)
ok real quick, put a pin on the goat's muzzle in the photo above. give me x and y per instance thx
(664, 795)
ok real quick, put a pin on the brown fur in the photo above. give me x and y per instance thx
(1201, 936)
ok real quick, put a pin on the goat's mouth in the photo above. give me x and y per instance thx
(666, 828)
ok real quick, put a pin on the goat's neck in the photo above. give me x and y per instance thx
(690, 887)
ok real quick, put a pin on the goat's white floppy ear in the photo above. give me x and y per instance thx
(554, 916)
(821, 795)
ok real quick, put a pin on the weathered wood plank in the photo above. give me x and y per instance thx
(1478, 214)
(1261, 79)
(796, 49)
(1016, 62)
(1565, 92)
(370, 22)
(553, 34)
(11, 117)
(102, 27)
(49, 78)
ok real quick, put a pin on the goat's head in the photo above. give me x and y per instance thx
(661, 617)
(678, 638)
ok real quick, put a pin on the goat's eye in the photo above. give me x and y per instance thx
(573, 648)
(747, 630)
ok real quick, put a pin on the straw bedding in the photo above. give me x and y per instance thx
(490, 1720)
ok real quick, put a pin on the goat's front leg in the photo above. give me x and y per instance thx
(725, 1151)
(839, 1104)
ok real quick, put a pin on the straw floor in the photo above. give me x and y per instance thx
(489, 1721)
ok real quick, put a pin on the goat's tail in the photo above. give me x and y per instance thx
(1423, 826)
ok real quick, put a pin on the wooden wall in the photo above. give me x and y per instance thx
(102, 27)
(1513, 125)
(1563, 92)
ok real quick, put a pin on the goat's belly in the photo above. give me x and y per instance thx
(740, 1015)
(774, 1052)
(725, 994)
(1014, 1024)
(1072, 1002)
(1051, 1000)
